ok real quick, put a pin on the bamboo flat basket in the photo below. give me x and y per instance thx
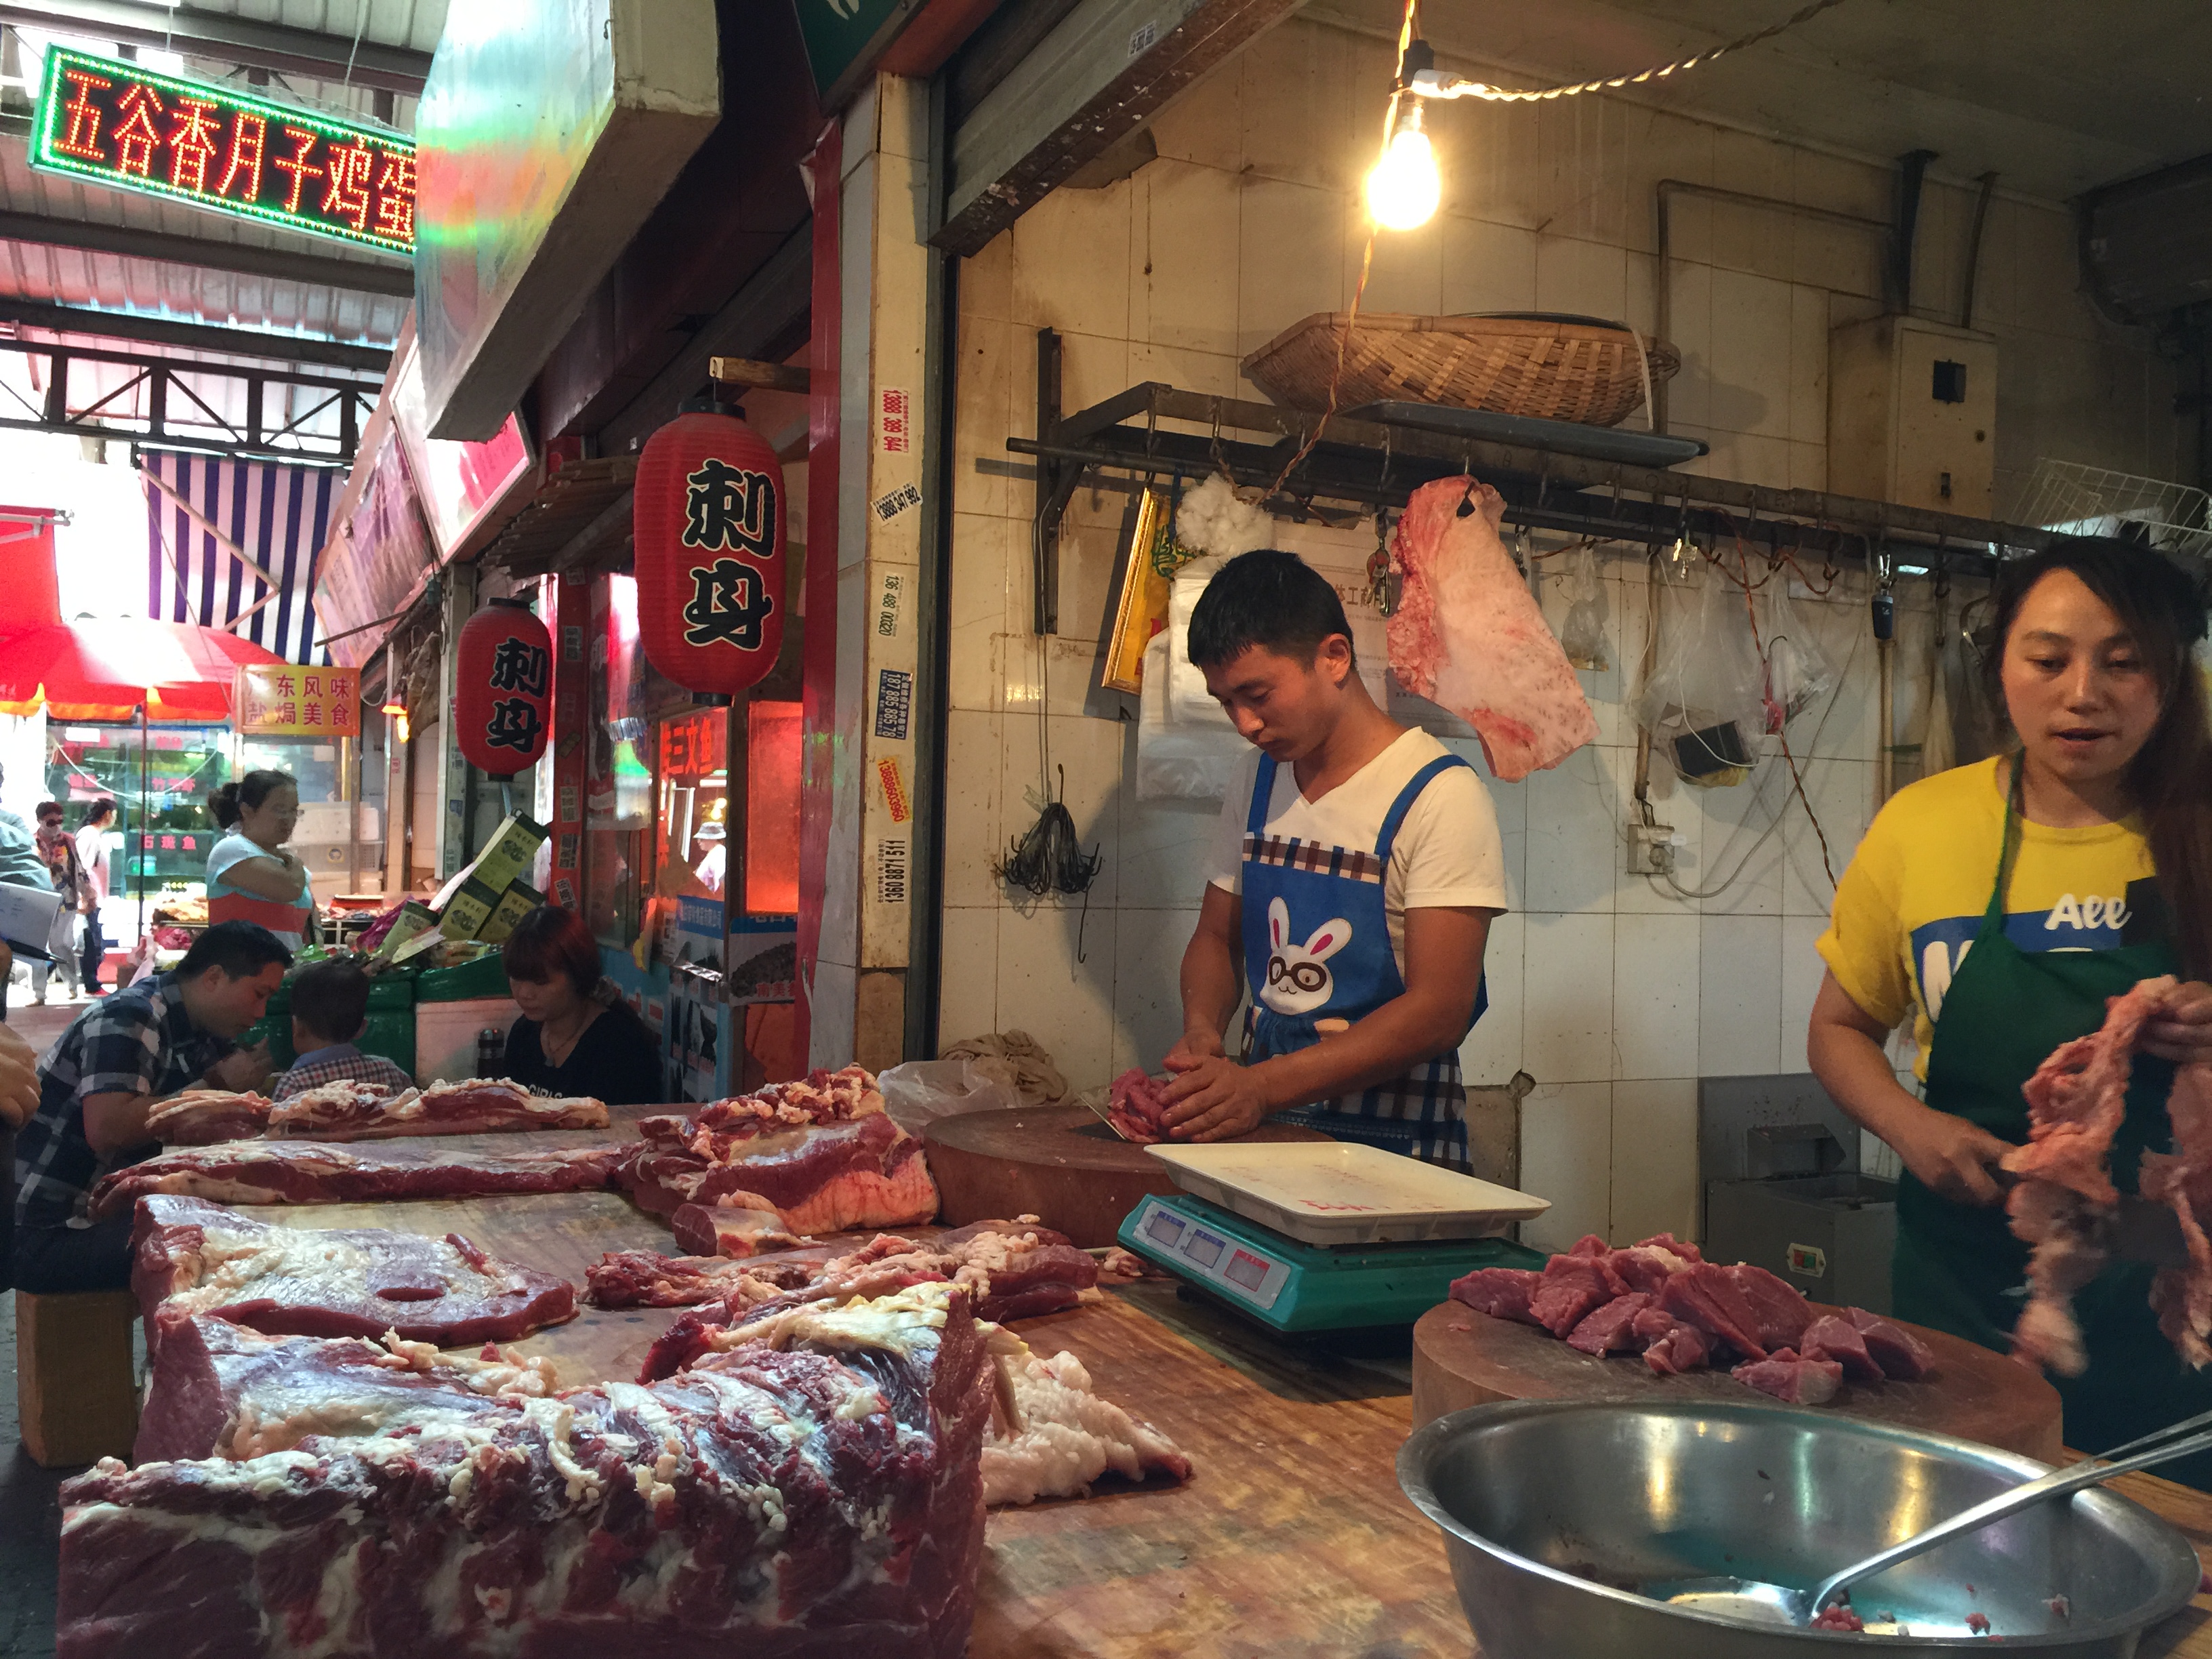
(1550, 367)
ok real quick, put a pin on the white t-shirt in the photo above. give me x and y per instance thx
(92, 852)
(1447, 852)
(236, 848)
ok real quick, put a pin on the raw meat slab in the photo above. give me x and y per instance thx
(349, 1110)
(321, 1172)
(818, 1494)
(201, 1258)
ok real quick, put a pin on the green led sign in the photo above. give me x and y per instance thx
(124, 126)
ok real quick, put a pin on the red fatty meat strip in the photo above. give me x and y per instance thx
(2182, 1179)
(2076, 1103)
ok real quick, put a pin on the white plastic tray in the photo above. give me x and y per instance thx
(1340, 1192)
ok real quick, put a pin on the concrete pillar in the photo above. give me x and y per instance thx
(859, 1004)
(452, 837)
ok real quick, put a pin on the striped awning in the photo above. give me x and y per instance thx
(233, 544)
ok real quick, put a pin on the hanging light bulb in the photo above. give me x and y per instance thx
(1403, 190)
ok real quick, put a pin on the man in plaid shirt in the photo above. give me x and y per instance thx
(168, 1032)
(330, 1009)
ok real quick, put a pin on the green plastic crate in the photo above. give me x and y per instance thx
(392, 1034)
(387, 992)
(485, 977)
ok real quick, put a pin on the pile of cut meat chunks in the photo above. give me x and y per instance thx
(1661, 1299)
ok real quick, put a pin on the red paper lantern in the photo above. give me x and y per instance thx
(710, 583)
(504, 675)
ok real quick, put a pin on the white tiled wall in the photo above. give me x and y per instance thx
(1615, 997)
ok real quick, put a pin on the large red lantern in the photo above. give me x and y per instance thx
(504, 671)
(710, 583)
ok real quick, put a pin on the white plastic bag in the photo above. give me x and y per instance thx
(918, 1093)
(1798, 672)
(1704, 704)
(1582, 634)
(1179, 760)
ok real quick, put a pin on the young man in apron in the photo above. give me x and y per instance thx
(1349, 887)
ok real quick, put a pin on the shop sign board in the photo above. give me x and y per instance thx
(129, 127)
(845, 37)
(547, 132)
(283, 699)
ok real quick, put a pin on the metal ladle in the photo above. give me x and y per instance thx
(1752, 1598)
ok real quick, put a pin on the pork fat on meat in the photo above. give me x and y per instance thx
(1467, 634)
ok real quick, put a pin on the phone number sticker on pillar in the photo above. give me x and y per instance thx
(887, 608)
(894, 702)
(897, 419)
(894, 795)
(890, 505)
(890, 871)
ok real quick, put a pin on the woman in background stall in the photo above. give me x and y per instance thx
(250, 876)
(92, 855)
(576, 1035)
(1999, 905)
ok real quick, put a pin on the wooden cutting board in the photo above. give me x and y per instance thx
(1058, 1163)
(1461, 1357)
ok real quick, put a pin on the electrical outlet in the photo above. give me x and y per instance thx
(1651, 848)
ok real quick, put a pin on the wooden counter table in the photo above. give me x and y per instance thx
(1291, 1540)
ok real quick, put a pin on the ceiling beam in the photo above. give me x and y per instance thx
(282, 264)
(195, 336)
(1103, 71)
(234, 40)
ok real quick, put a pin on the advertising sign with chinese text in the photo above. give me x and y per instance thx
(130, 128)
(283, 699)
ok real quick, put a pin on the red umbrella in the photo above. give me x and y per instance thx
(103, 669)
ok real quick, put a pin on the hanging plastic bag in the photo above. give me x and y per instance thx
(1798, 672)
(1181, 760)
(1583, 636)
(1704, 704)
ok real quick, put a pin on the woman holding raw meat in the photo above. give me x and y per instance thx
(1999, 905)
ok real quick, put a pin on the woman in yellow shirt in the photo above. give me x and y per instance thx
(2000, 905)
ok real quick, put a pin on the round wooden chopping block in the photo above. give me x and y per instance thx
(1461, 1357)
(1058, 1163)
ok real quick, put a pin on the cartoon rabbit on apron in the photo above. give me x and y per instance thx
(1317, 947)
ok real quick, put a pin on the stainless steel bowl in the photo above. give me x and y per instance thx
(1555, 1514)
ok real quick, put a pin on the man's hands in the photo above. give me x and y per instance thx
(19, 1079)
(243, 1069)
(2183, 1032)
(1196, 1045)
(1214, 1097)
(1953, 1156)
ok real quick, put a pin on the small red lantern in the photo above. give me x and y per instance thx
(504, 676)
(710, 583)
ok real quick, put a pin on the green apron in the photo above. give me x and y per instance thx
(1958, 1267)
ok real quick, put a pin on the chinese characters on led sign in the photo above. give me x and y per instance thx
(124, 126)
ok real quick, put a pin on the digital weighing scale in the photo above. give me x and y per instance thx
(1321, 1236)
(1294, 1286)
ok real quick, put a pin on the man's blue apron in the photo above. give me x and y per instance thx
(1317, 947)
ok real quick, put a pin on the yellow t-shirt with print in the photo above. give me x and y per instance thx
(1909, 904)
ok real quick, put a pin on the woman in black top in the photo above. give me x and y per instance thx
(575, 1035)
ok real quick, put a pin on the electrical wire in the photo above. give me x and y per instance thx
(1049, 859)
(1615, 83)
